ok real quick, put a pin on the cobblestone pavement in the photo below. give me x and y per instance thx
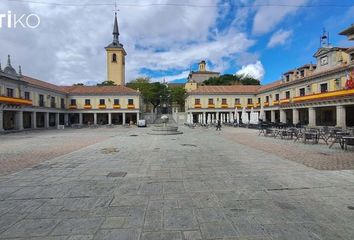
(199, 185)
(25, 149)
(318, 156)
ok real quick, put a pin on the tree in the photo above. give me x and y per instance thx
(78, 84)
(178, 95)
(106, 83)
(152, 93)
(229, 79)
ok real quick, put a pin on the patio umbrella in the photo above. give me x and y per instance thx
(209, 118)
(226, 118)
(261, 113)
(217, 117)
(253, 117)
(231, 117)
(244, 116)
(204, 118)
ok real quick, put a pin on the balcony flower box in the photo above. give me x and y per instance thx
(325, 95)
(266, 104)
(116, 106)
(276, 102)
(211, 105)
(250, 105)
(87, 106)
(238, 105)
(224, 106)
(102, 106)
(16, 101)
(131, 106)
(257, 105)
(197, 105)
(72, 106)
(285, 100)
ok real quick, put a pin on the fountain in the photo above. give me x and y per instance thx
(164, 129)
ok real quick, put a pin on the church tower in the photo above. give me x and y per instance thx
(116, 58)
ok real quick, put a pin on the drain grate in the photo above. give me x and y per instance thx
(350, 207)
(117, 174)
(188, 145)
(133, 135)
(109, 150)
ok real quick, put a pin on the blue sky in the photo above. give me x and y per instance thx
(165, 40)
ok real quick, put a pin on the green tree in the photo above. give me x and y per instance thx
(107, 83)
(229, 79)
(178, 95)
(152, 93)
(78, 84)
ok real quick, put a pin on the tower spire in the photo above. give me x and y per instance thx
(8, 60)
(115, 30)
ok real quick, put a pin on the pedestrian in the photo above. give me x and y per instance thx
(218, 126)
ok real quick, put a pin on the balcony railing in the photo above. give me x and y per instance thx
(15, 101)
(116, 106)
(87, 106)
(211, 105)
(332, 94)
(224, 105)
(131, 106)
(285, 100)
(102, 106)
(72, 106)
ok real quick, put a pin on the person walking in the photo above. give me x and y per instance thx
(218, 126)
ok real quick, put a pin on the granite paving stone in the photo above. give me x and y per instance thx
(202, 184)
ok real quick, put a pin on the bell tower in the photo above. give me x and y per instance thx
(116, 57)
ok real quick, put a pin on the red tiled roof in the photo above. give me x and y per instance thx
(252, 89)
(79, 89)
(42, 84)
(270, 86)
(98, 89)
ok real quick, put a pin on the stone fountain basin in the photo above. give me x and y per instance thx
(165, 128)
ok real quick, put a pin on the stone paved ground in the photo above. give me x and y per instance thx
(199, 185)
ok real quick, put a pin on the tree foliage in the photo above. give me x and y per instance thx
(178, 95)
(78, 84)
(229, 79)
(107, 83)
(152, 93)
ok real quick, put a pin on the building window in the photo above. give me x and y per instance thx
(116, 101)
(114, 57)
(302, 73)
(102, 102)
(41, 100)
(277, 97)
(130, 101)
(287, 94)
(52, 102)
(324, 87)
(237, 101)
(87, 102)
(197, 101)
(73, 102)
(352, 57)
(62, 103)
(287, 78)
(267, 98)
(211, 101)
(259, 100)
(302, 92)
(249, 101)
(10, 92)
(224, 101)
(27, 95)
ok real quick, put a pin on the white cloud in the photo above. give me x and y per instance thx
(267, 17)
(255, 70)
(280, 37)
(68, 46)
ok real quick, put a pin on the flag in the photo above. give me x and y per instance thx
(349, 83)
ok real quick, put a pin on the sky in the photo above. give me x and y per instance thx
(165, 39)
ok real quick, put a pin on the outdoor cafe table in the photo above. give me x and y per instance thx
(346, 140)
(338, 138)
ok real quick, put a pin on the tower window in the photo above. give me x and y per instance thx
(114, 57)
